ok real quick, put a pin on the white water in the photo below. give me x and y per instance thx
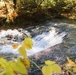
(41, 42)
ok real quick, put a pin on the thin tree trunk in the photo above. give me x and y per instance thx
(15, 2)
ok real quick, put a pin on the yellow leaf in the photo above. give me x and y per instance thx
(70, 63)
(7, 69)
(55, 68)
(12, 64)
(27, 43)
(19, 67)
(25, 61)
(22, 51)
(46, 70)
(48, 62)
(2, 73)
(50, 67)
(74, 69)
(15, 46)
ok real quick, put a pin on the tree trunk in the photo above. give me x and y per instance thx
(15, 2)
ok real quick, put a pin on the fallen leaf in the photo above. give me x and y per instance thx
(70, 63)
(15, 46)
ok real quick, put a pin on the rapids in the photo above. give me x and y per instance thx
(43, 36)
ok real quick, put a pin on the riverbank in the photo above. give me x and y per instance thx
(30, 23)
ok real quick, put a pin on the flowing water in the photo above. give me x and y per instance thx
(45, 35)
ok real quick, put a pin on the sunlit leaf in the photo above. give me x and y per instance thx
(74, 68)
(50, 67)
(56, 68)
(70, 63)
(22, 51)
(25, 61)
(12, 64)
(2, 73)
(6, 67)
(19, 67)
(46, 70)
(48, 62)
(27, 43)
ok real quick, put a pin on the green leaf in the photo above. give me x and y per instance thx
(27, 43)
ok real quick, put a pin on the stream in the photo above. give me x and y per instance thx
(44, 35)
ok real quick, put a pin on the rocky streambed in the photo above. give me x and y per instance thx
(60, 42)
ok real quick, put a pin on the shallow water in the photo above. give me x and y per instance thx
(41, 41)
(53, 31)
(69, 44)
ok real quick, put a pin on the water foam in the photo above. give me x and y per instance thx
(41, 42)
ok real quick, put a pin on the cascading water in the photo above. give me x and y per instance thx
(41, 41)
(46, 40)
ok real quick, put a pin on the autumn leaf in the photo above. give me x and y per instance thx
(15, 46)
(19, 67)
(48, 62)
(46, 70)
(11, 64)
(74, 68)
(22, 51)
(50, 67)
(2, 73)
(5, 65)
(70, 63)
(27, 43)
(25, 61)
(56, 68)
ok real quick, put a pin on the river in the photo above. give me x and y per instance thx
(56, 32)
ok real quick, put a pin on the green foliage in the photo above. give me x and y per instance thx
(56, 7)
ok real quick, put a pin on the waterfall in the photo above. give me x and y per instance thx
(40, 42)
